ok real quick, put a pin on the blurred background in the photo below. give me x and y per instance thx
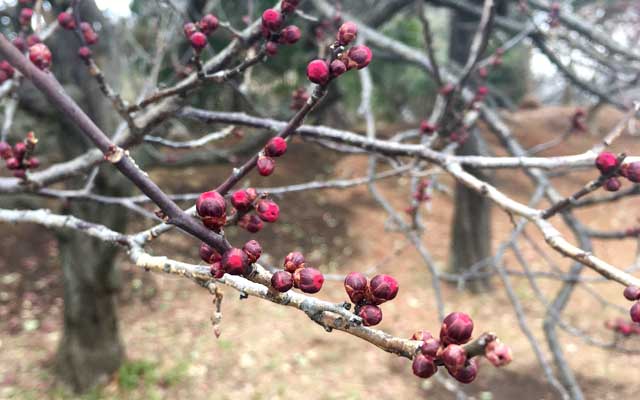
(156, 331)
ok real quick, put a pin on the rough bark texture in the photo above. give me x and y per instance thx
(471, 233)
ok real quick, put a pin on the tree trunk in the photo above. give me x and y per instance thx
(471, 234)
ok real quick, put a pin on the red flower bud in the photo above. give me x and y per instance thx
(189, 29)
(361, 55)
(13, 163)
(40, 55)
(282, 281)
(235, 262)
(240, 200)
(423, 366)
(430, 346)
(612, 184)
(606, 162)
(19, 150)
(271, 48)
(371, 315)
(632, 293)
(85, 53)
(337, 68)
(318, 72)
(294, 261)
(290, 34)
(276, 147)
(634, 312)
(265, 165)
(252, 193)
(251, 223)
(33, 39)
(447, 89)
(267, 210)
(307, 279)
(33, 163)
(631, 171)
(347, 33)
(427, 128)
(498, 353)
(208, 24)
(198, 41)
(253, 250)
(20, 43)
(216, 270)
(382, 288)
(457, 328)
(66, 21)
(272, 19)
(7, 68)
(25, 16)
(355, 284)
(89, 35)
(212, 208)
(466, 374)
(454, 357)
(209, 254)
(5, 150)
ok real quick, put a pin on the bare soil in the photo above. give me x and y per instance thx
(273, 352)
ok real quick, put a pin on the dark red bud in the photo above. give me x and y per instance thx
(66, 21)
(33, 163)
(5, 150)
(40, 55)
(282, 281)
(361, 55)
(271, 48)
(307, 279)
(272, 19)
(612, 184)
(13, 163)
(427, 128)
(382, 288)
(632, 293)
(454, 357)
(25, 16)
(347, 33)
(209, 254)
(189, 29)
(606, 162)
(198, 41)
(290, 34)
(430, 346)
(355, 284)
(371, 315)
(631, 171)
(216, 270)
(251, 223)
(423, 366)
(212, 208)
(267, 210)
(294, 261)
(318, 72)
(240, 200)
(208, 24)
(337, 68)
(85, 53)
(235, 262)
(265, 165)
(457, 328)
(289, 6)
(468, 373)
(276, 147)
(253, 250)
(634, 312)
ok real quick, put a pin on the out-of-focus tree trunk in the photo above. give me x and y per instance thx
(90, 349)
(471, 233)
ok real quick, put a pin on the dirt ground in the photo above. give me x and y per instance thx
(273, 352)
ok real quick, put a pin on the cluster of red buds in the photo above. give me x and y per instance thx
(578, 120)
(297, 274)
(85, 29)
(554, 15)
(19, 158)
(321, 71)
(298, 98)
(234, 261)
(212, 209)
(197, 32)
(276, 147)
(367, 295)
(632, 293)
(39, 53)
(623, 327)
(448, 350)
(6, 71)
(272, 30)
(608, 163)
